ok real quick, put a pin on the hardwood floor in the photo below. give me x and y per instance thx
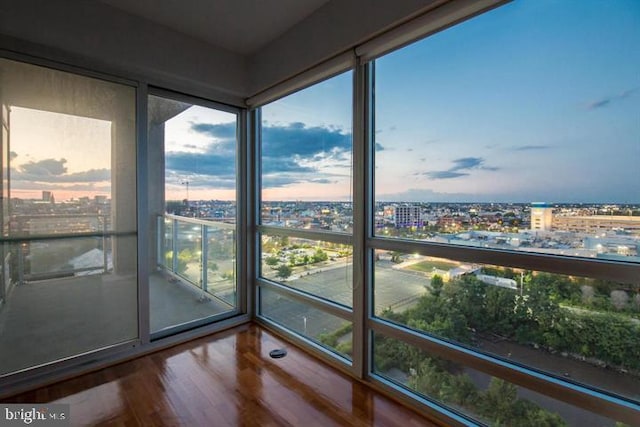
(224, 380)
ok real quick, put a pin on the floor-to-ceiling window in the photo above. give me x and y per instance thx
(499, 263)
(306, 215)
(69, 235)
(507, 207)
(501, 194)
(81, 171)
(192, 201)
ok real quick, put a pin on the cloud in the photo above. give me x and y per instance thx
(45, 168)
(291, 153)
(55, 171)
(12, 155)
(32, 185)
(379, 147)
(460, 168)
(598, 104)
(274, 165)
(298, 140)
(221, 130)
(207, 163)
(214, 167)
(601, 103)
(531, 147)
(466, 163)
(323, 181)
(445, 174)
(92, 175)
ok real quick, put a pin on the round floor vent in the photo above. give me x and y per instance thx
(278, 353)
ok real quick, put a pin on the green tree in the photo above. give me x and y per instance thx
(284, 272)
(320, 256)
(436, 285)
(499, 305)
(271, 261)
(498, 400)
(396, 257)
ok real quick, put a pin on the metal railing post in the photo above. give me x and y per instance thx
(160, 229)
(21, 263)
(204, 248)
(105, 258)
(174, 246)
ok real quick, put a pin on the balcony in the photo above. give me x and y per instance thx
(65, 306)
(196, 271)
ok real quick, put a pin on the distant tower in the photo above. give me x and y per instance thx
(541, 216)
(47, 196)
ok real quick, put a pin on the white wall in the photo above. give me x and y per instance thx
(94, 35)
(90, 33)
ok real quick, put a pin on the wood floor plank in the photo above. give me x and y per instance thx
(226, 379)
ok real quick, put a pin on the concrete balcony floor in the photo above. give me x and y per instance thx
(49, 320)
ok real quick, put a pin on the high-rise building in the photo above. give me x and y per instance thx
(407, 216)
(541, 216)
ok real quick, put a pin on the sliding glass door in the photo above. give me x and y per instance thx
(193, 212)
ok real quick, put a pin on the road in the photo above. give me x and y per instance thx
(393, 288)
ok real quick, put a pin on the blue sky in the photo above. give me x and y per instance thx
(536, 100)
(533, 101)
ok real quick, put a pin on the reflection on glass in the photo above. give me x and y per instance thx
(68, 213)
(51, 258)
(489, 399)
(320, 268)
(306, 158)
(583, 329)
(328, 330)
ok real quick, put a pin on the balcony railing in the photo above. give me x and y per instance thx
(42, 247)
(201, 252)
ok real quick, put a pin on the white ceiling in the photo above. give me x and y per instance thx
(241, 26)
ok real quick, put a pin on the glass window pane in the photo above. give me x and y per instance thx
(581, 329)
(485, 398)
(192, 200)
(68, 196)
(306, 158)
(323, 269)
(516, 130)
(326, 329)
